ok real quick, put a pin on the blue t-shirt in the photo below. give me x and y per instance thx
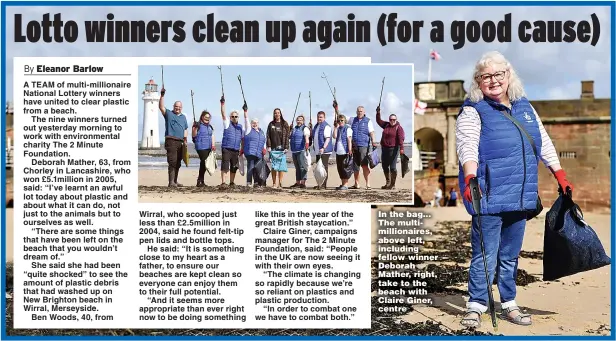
(175, 125)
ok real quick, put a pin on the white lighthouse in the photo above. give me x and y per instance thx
(151, 97)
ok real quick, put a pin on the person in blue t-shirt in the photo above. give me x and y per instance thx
(176, 136)
(453, 197)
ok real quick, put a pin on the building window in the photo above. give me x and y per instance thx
(152, 132)
(567, 155)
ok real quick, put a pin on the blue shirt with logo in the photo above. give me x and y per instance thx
(175, 125)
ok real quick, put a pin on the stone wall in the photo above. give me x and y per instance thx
(588, 169)
(425, 184)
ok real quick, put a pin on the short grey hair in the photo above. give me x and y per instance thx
(254, 120)
(235, 112)
(515, 90)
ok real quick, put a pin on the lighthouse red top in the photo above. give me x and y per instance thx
(151, 86)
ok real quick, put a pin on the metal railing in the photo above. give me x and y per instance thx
(426, 157)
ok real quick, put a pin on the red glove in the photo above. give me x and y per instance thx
(307, 145)
(264, 151)
(563, 183)
(213, 148)
(467, 190)
(241, 152)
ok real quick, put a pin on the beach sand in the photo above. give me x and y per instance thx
(574, 305)
(153, 189)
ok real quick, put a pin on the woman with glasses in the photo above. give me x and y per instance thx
(254, 146)
(392, 143)
(278, 143)
(343, 135)
(203, 138)
(500, 140)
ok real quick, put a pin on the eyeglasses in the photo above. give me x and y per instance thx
(340, 120)
(392, 119)
(234, 116)
(487, 77)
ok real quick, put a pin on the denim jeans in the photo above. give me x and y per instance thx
(502, 238)
(251, 162)
(301, 173)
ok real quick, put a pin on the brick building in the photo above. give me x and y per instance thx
(579, 128)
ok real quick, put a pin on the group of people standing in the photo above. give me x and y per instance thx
(345, 140)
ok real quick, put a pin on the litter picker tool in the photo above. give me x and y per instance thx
(335, 113)
(324, 76)
(192, 99)
(476, 198)
(162, 75)
(296, 105)
(310, 123)
(221, 83)
(310, 105)
(239, 78)
(382, 86)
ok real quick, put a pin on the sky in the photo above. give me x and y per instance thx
(548, 70)
(269, 87)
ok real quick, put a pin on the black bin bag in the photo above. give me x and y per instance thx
(349, 166)
(404, 160)
(570, 245)
(261, 172)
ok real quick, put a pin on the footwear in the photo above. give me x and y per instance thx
(171, 175)
(392, 185)
(295, 185)
(387, 181)
(200, 184)
(471, 319)
(354, 187)
(302, 186)
(519, 319)
(343, 188)
(175, 178)
(316, 187)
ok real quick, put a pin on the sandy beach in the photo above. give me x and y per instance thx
(153, 189)
(574, 305)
